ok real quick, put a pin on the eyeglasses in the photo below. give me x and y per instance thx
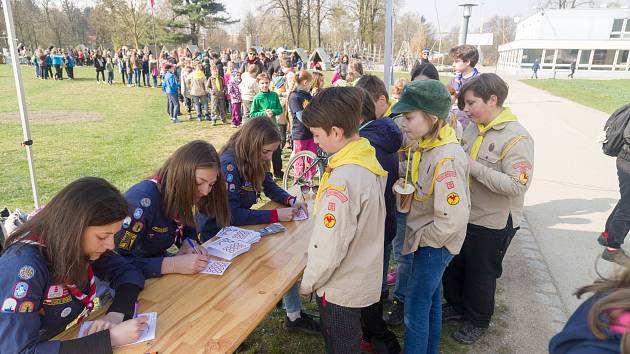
(305, 188)
(251, 53)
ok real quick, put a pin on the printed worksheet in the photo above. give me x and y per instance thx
(216, 267)
(301, 215)
(148, 334)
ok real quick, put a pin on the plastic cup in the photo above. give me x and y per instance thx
(404, 196)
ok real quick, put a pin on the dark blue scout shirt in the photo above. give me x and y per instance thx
(242, 197)
(386, 138)
(147, 233)
(298, 100)
(577, 338)
(34, 309)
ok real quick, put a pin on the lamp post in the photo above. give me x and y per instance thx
(463, 29)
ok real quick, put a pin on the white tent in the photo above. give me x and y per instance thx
(320, 55)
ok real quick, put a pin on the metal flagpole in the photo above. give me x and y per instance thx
(154, 36)
(389, 44)
(17, 75)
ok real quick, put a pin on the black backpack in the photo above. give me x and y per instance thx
(614, 129)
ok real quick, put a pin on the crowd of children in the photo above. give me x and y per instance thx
(434, 175)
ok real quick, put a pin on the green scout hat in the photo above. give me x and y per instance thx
(430, 96)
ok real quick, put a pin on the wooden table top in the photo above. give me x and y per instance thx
(215, 314)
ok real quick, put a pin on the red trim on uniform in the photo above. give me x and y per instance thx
(274, 216)
(324, 303)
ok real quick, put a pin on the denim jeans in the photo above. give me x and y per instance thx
(173, 105)
(618, 222)
(291, 300)
(136, 75)
(403, 268)
(154, 81)
(129, 78)
(423, 304)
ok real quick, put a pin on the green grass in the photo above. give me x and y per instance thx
(128, 143)
(604, 95)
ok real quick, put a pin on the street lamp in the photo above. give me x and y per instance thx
(463, 30)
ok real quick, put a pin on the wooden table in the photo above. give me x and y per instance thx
(215, 314)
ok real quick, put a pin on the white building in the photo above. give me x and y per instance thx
(598, 40)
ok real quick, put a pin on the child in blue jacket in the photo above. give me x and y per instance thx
(170, 86)
(49, 269)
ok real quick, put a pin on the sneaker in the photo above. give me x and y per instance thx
(396, 314)
(615, 255)
(449, 313)
(603, 239)
(214, 122)
(176, 120)
(305, 324)
(367, 347)
(468, 334)
(391, 278)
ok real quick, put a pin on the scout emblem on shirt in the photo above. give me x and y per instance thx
(305, 103)
(9, 305)
(20, 290)
(57, 295)
(26, 272)
(55, 291)
(27, 306)
(126, 222)
(66, 312)
(145, 202)
(523, 168)
(329, 220)
(230, 177)
(127, 240)
(137, 227)
(230, 167)
(452, 199)
(137, 214)
(161, 230)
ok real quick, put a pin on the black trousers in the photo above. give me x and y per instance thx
(58, 72)
(375, 330)
(341, 327)
(276, 161)
(618, 223)
(283, 135)
(102, 73)
(470, 280)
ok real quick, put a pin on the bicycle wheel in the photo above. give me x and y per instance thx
(303, 168)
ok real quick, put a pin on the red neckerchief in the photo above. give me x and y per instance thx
(179, 228)
(86, 300)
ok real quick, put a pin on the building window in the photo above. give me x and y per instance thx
(531, 55)
(620, 28)
(549, 53)
(604, 57)
(622, 58)
(585, 57)
(617, 25)
(566, 56)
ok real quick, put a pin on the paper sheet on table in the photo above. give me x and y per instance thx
(148, 334)
(301, 215)
(216, 267)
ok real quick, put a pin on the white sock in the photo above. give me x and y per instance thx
(293, 315)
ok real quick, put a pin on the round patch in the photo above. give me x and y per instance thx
(9, 305)
(523, 178)
(26, 272)
(329, 220)
(27, 306)
(230, 167)
(20, 290)
(145, 202)
(230, 177)
(452, 199)
(232, 187)
(66, 312)
(138, 213)
(126, 222)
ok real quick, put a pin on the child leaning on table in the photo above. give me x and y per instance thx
(345, 254)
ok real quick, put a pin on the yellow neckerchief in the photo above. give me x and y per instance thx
(216, 83)
(358, 152)
(446, 135)
(504, 117)
(199, 75)
(389, 109)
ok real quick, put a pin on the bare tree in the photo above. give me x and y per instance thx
(292, 13)
(322, 11)
(369, 15)
(566, 4)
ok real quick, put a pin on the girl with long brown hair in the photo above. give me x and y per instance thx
(163, 210)
(601, 324)
(48, 274)
(245, 161)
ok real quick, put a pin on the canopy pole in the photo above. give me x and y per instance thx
(17, 75)
(389, 44)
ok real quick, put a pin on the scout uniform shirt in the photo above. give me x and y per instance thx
(35, 309)
(441, 203)
(345, 254)
(147, 233)
(502, 172)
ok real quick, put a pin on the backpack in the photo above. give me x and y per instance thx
(614, 129)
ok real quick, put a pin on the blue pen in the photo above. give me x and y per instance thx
(135, 310)
(192, 245)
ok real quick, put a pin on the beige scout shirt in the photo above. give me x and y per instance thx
(501, 174)
(441, 206)
(345, 254)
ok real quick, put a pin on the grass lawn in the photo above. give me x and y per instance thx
(604, 95)
(130, 137)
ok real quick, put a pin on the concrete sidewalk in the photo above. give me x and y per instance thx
(574, 189)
